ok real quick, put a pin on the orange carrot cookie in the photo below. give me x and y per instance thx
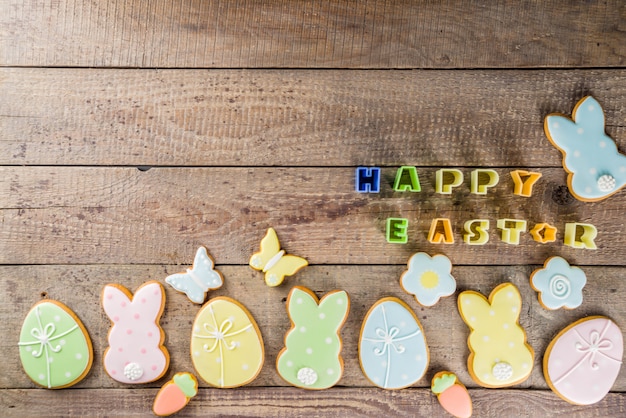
(175, 394)
(452, 394)
(499, 354)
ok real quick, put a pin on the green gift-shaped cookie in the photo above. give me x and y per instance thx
(311, 358)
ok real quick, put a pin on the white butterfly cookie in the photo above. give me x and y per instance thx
(274, 262)
(199, 279)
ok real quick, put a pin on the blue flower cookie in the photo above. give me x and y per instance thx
(559, 285)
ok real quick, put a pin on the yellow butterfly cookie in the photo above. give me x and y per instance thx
(500, 355)
(274, 262)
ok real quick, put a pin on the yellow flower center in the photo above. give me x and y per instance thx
(429, 279)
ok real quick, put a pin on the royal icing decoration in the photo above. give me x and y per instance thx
(311, 358)
(199, 279)
(428, 278)
(596, 168)
(452, 394)
(559, 285)
(226, 344)
(499, 353)
(392, 346)
(136, 353)
(175, 394)
(583, 361)
(274, 262)
(54, 346)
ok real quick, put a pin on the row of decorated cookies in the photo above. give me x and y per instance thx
(580, 365)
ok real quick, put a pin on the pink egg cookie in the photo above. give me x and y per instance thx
(136, 353)
(582, 362)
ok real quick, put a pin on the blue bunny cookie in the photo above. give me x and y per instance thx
(596, 169)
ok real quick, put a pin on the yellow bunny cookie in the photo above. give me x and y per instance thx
(499, 354)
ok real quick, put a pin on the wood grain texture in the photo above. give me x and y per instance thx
(290, 402)
(299, 34)
(80, 288)
(294, 118)
(83, 215)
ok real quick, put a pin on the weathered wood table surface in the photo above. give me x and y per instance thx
(132, 132)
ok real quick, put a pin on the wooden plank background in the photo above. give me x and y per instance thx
(131, 132)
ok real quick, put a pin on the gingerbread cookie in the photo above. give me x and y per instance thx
(499, 354)
(55, 348)
(136, 353)
(583, 361)
(226, 344)
(311, 358)
(392, 347)
(274, 262)
(595, 168)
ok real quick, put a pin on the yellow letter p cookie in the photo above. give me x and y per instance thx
(499, 355)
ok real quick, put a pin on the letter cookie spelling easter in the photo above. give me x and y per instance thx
(55, 348)
(596, 169)
(226, 344)
(274, 262)
(311, 358)
(136, 353)
(499, 354)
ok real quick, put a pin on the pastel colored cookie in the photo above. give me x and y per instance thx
(226, 344)
(392, 347)
(274, 262)
(55, 348)
(559, 284)
(175, 394)
(583, 361)
(136, 353)
(499, 354)
(199, 279)
(596, 168)
(311, 358)
(428, 278)
(452, 394)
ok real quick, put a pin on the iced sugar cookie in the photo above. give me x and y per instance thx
(55, 348)
(136, 353)
(226, 344)
(499, 353)
(311, 358)
(274, 262)
(392, 347)
(175, 394)
(199, 279)
(583, 361)
(596, 169)
(452, 394)
(428, 278)
(559, 285)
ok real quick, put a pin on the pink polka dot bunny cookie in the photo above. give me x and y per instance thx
(136, 353)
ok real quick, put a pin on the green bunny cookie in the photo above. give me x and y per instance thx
(311, 357)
